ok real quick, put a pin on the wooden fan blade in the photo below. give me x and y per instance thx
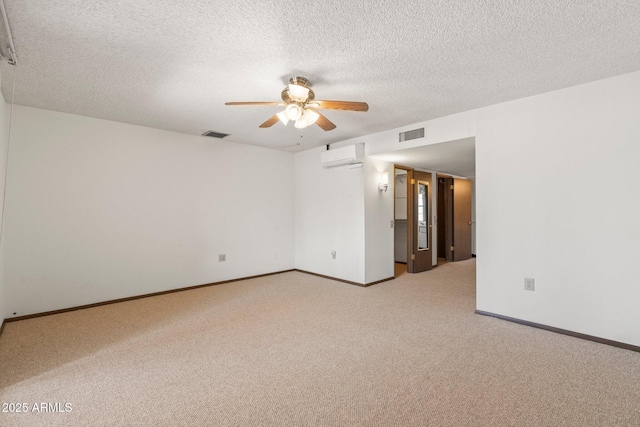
(323, 122)
(272, 121)
(341, 105)
(253, 103)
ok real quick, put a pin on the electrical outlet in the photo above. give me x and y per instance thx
(391, 223)
(222, 257)
(333, 254)
(529, 284)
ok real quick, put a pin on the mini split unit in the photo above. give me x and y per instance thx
(349, 155)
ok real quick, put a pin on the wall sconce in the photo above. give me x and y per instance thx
(383, 181)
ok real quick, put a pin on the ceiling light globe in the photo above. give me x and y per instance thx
(282, 115)
(293, 111)
(308, 118)
(311, 117)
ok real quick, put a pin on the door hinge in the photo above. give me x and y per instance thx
(451, 187)
(413, 256)
(413, 181)
(451, 248)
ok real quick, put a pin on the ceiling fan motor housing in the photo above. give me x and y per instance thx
(287, 99)
(298, 81)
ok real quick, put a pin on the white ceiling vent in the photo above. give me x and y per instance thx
(411, 134)
(214, 134)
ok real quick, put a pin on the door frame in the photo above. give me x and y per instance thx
(407, 169)
(419, 260)
(446, 221)
(455, 222)
(462, 219)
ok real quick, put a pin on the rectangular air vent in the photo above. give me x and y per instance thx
(411, 134)
(214, 134)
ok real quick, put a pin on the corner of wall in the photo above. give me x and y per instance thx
(4, 145)
(379, 217)
(329, 217)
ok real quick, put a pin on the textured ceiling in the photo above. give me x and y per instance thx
(173, 64)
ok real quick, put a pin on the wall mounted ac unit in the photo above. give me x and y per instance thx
(349, 155)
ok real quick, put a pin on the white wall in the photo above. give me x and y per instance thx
(98, 210)
(557, 201)
(329, 216)
(379, 213)
(474, 223)
(342, 209)
(444, 129)
(4, 143)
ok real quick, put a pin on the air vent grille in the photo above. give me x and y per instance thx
(411, 134)
(214, 134)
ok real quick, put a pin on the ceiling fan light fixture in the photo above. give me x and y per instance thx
(282, 115)
(300, 106)
(308, 118)
(293, 111)
(313, 116)
(298, 93)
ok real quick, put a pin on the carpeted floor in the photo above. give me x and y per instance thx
(298, 350)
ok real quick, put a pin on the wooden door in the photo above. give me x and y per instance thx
(461, 219)
(441, 218)
(445, 218)
(419, 226)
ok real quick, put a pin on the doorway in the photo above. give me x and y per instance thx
(413, 205)
(419, 221)
(400, 220)
(454, 218)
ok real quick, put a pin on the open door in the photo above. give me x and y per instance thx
(419, 205)
(461, 219)
(445, 218)
(454, 218)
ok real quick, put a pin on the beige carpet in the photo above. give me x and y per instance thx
(298, 350)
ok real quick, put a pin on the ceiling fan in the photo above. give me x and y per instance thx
(300, 106)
